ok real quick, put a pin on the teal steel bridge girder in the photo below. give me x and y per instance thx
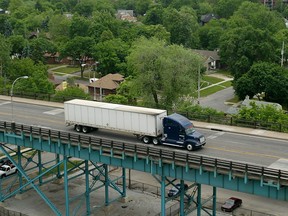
(244, 178)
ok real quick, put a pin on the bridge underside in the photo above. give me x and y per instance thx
(100, 158)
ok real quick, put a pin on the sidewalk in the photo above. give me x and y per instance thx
(242, 130)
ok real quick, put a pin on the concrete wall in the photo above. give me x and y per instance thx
(7, 212)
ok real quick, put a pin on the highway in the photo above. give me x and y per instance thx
(226, 145)
(238, 147)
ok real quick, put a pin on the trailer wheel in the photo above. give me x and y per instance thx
(78, 128)
(189, 147)
(146, 139)
(85, 129)
(155, 141)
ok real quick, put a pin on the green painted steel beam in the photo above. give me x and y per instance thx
(146, 164)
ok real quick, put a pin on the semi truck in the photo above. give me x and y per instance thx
(149, 125)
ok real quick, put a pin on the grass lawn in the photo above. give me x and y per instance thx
(214, 89)
(52, 66)
(224, 72)
(211, 80)
(67, 70)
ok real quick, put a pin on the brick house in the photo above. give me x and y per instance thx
(105, 85)
(211, 58)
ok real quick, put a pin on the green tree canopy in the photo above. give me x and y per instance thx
(183, 26)
(71, 92)
(38, 77)
(163, 73)
(249, 37)
(111, 56)
(264, 77)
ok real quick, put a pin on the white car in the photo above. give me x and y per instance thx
(6, 170)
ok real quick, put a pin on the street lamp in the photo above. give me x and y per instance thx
(11, 93)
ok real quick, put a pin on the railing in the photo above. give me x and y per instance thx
(153, 153)
(234, 121)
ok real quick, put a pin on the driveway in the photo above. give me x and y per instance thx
(218, 100)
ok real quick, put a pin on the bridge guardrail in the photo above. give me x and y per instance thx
(154, 153)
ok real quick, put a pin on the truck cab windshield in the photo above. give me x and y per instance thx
(190, 130)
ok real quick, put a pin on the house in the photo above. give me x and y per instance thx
(207, 17)
(127, 15)
(211, 58)
(247, 103)
(105, 86)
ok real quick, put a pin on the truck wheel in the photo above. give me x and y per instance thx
(146, 139)
(78, 128)
(155, 141)
(85, 129)
(189, 147)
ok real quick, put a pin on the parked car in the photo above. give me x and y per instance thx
(5, 161)
(176, 190)
(6, 170)
(231, 204)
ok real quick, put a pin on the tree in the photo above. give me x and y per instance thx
(241, 47)
(38, 76)
(264, 77)
(226, 8)
(163, 73)
(249, 37)
(84, 8)
(116, 98)
(38, 47)
(267, 113)
(183, 26)
(59, 28)
(79, 26)
(17, 44)
(111, 55)
(71, 92)
(5, 48)
(80, 49)
(211, 33)
(154, 15)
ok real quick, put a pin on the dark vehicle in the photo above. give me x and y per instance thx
(5, 161)
(231, 204)
(176, 190)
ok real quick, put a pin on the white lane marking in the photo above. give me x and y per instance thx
(54, 112)
(7, 102)
(215, 135)
(281, 164)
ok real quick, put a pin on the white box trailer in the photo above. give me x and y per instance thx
(141, 121)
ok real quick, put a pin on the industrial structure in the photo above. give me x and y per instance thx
(97, 154)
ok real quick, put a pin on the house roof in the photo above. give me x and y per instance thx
(110, 81)
(207, 17)
(247, 102)
(208, 54)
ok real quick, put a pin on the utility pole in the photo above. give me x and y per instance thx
(282, 54)
(198, 101)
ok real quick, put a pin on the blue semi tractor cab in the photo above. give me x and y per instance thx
(179, 131)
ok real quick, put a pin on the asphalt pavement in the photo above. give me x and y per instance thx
(137, 203)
